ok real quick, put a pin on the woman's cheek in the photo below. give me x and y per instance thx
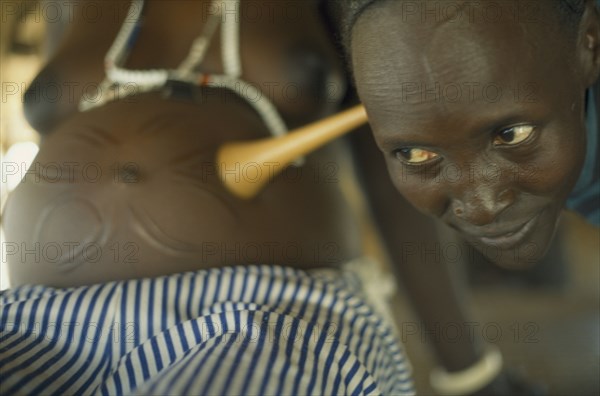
(422, 192)
(554, 168)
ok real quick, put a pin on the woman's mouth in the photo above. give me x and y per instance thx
(509, 239)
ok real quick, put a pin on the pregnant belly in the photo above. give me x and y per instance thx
(131, 190)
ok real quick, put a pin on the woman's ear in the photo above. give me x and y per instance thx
(589, 42)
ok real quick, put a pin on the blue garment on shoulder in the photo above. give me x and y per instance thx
(585, 197)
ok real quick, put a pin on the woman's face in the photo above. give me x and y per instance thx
(481, 121)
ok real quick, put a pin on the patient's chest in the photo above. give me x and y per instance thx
(285, 52)
(130, 189)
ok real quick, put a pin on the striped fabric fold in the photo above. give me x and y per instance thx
(252, 330)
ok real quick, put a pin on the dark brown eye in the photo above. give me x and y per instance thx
(415, 155)
(513, 135)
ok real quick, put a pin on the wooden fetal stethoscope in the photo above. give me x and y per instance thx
(273, 155)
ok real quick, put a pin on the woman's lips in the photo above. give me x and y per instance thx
(512, 238)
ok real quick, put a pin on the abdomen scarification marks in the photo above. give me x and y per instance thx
(71, 231)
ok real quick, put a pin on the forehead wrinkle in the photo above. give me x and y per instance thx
(437, 32)
(430, 75)
(463, 56)
(386, 101)
(479, 47)
(383, 77)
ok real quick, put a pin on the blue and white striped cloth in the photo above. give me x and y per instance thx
(258, 330)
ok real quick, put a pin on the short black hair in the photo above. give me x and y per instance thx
(345, 13)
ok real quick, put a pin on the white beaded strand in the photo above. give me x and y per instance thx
(149, 80)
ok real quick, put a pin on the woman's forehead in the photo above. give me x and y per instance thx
(386, 37)
(405, 63)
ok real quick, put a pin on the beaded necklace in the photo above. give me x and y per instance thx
(154, 79)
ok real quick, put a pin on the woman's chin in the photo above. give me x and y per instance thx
(517, 260)
(521, 257)
(521, 250)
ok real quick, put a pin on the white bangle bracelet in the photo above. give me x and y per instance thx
(470, 379)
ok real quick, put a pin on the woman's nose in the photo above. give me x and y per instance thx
(481, 205)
